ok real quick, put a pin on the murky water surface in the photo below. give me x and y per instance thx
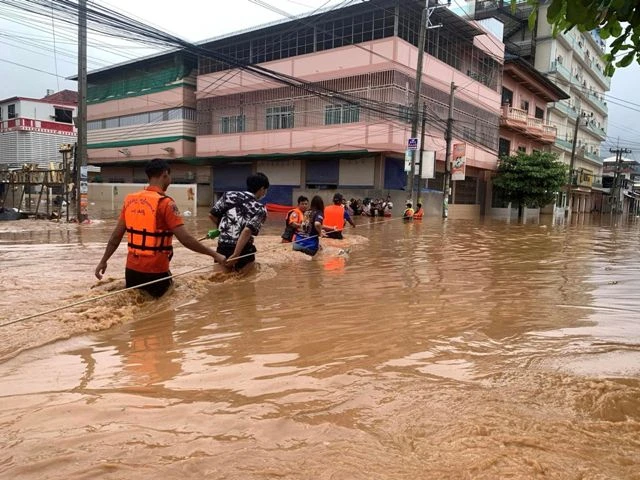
(471, 349)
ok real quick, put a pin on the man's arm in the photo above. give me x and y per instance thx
(347, 217)
(112, 246)
(191, 243)
(215, 220)
(244, 238)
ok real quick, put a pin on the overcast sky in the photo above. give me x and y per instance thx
(29, 42)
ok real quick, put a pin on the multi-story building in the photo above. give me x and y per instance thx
(337, 115)
(572, 60)
(140, 110)
(524, 123)
(32, 129)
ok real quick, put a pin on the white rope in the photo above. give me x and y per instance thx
(115, 292)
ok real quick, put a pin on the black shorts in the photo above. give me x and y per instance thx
(336, 234)
(249, 250)
(157, 289)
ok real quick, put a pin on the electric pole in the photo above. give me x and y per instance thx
(425, 24)
(572, 163)
(448, 136)
(81, 149)
(416, 99)
(616, 189)
(422, 139)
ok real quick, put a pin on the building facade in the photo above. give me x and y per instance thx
(573, 61)
(32, 129)
(332, 111)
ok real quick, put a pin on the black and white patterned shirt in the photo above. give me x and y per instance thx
(237, 210)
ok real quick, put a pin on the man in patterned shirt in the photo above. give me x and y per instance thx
(239, 216)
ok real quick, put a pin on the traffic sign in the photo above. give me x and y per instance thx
(412, 144)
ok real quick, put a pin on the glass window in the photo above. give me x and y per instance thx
(337, 114)
(279, 117)
(11, 111)
(504, 147)
(232, 124)
(63, 115)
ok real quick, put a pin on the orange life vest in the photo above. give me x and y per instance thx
(140, 216)
(299, 215)
(419, 214)
(408, 213)
(334, 217)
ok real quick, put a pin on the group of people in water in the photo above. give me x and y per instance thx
(379, 207)
(151, 218)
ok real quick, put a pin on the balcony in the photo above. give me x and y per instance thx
(514, 118)
(564, 109)
(558, 68)
(536, 128)
(597, 102)
(564, 144)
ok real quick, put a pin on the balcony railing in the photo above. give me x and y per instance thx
(516, 114)
(566, 109)
(559, 68)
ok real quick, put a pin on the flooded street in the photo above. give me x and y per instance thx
(457, 350)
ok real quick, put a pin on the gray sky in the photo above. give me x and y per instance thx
(29, 41)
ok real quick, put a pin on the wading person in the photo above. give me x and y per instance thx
(419, 212)
(239, 217)
(151, 218)
(294, 219)
(307, 240)
(408, 212)
(335, 217)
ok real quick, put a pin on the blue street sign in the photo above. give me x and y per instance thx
(412, 144)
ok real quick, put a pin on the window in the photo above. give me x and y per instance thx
(337, 114)
(539, 113)
(11, 111)
(63, 115)
(522, 149)
(279, 117)
(504, 147)
(507, 96)
(232, 124)
(524, 105)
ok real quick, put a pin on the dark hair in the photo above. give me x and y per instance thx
(419, 204)
(256, 181)
(337, 198)
(302, 198)
(317, 203)
(156, 167)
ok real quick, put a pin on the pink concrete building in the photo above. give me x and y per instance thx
(524, 124)
(336, 117)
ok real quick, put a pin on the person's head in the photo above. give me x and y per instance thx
(317, 203)
(303, 203)
(258, 183)
(419, 205)
(158, 173)
(409, 204)
(337, 199)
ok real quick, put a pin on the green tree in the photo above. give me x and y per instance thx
(530, 180)
(615, 19)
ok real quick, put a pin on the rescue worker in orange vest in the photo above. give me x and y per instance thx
(408, 212)
(334, 218)
(151, 218)
(419, 213)
(294, 219)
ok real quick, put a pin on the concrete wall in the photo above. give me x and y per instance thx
(111, 195)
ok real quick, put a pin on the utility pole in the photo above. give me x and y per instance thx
(616, 189)
(572, 163)
(422, 140)
(425, 24)
(81, 154)
(416, 99)
(448, 136)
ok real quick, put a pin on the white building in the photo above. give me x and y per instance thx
(32, 129)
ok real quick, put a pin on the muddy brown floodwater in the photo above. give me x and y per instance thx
(457, 350)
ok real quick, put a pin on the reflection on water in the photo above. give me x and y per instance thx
(424, 350)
